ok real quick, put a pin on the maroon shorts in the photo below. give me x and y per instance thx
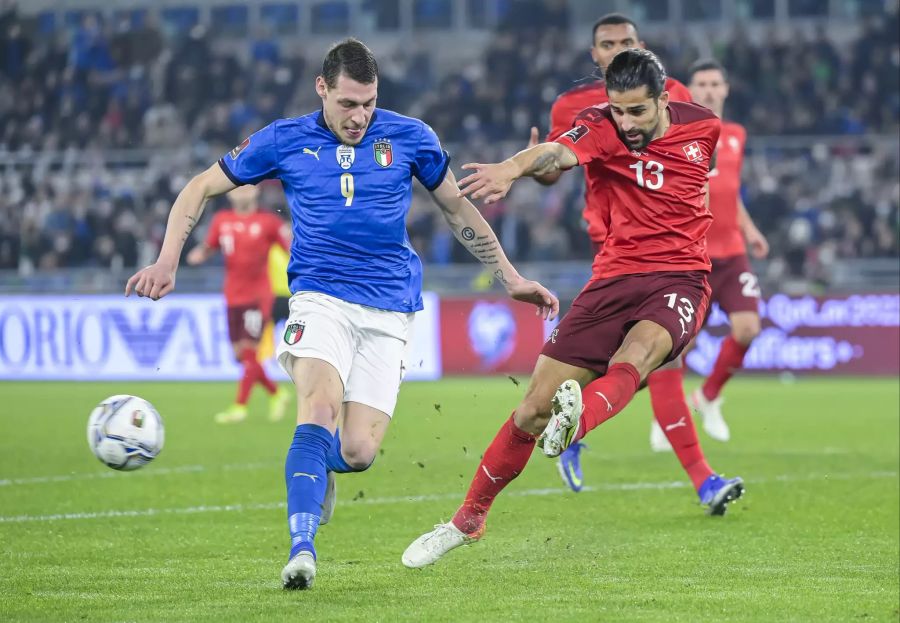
(594, 328)
(246, 322)
(734, 285)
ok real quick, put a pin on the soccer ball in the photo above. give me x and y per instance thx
(125, 432)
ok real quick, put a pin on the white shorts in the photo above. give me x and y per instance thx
(367, 346)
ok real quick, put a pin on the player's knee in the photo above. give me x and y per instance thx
(359, 456)
(745, 331)
(532, 415)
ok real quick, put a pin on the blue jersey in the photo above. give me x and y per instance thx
(348, 203)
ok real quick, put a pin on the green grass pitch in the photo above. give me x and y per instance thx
(200, 534)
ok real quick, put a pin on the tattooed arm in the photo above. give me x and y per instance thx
(492, 181)
(476, 235)
(157, 280)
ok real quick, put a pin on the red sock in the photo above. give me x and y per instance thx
(253, 372)
(606, 396)
(674, 416)
(246, 382)
(504, 459)
(730, 360)
(262, 378)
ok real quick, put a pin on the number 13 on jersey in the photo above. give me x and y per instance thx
(649, 174)
(347, 188)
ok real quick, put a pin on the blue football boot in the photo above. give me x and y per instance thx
(716, 492)
(569, 466)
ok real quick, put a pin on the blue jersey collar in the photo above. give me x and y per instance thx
(320, 121)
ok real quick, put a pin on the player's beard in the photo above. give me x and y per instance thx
(639, 139)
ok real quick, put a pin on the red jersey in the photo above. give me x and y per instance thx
(562, 118)
(245, 240)
(657, 216)
(724, 238)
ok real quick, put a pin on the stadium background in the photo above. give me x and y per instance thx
(108, 106)
(106, 111)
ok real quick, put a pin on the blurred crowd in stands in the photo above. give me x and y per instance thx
(121, 84)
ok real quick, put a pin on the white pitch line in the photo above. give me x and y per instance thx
(156, 471)
(434, 497)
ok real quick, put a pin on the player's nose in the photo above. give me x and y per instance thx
(359, 117)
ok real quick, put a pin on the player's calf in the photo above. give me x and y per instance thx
(745, 327)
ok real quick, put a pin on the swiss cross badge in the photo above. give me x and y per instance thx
(293, 332)
(693, 152)
(383, 153)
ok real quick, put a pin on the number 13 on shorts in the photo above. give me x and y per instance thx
(684, 307)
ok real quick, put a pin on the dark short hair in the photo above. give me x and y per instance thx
(634, 68)
(352, 58)
(706, 64)
(611, 19)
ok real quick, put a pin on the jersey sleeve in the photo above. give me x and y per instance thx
(714, 128)
(561, 118)
(586, 140)
(254, 160)
(678, 92)
(212, 233)
(431, 161)
(742, 137)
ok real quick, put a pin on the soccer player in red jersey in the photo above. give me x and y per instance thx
(613, 33)
(646, 299)
(244, 235)
(734, 285)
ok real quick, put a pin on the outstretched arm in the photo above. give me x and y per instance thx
(157, 280)
(199, 254)
(476, 235)
(759, 246)
(548, 179)
(493, 181)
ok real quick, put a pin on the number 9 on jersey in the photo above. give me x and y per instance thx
(347, 188)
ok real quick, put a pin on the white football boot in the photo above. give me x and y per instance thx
(300, 572)
(658, 440)
(431, 546)
(565, 417)
(711, 412)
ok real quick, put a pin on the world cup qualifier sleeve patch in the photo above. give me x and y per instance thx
(293, 332)
(237, 150)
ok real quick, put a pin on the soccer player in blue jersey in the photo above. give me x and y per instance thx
(347, 172)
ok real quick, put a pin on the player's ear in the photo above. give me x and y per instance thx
(663, 100)
(321, 87)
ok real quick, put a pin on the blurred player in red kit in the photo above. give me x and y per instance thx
(734, 285)
(244, 235)
(613, 33)
(646, 299)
